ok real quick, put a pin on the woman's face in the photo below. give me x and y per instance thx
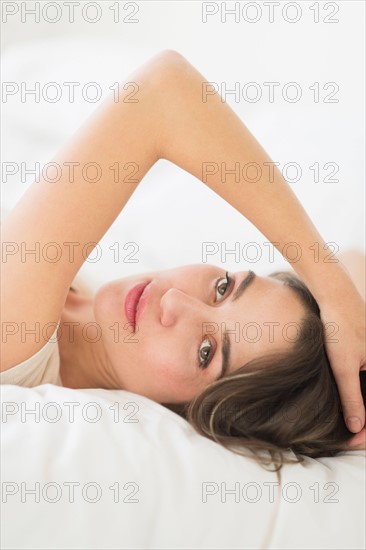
(177, 347)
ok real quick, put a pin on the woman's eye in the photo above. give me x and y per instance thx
(223, 285)
(204, 353)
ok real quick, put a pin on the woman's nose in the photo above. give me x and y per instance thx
(176, 305)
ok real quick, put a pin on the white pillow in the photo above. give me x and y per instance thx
(171, 481)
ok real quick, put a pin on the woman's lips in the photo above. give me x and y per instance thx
(134, 297)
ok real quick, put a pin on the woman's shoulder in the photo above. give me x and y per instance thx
(42, 367)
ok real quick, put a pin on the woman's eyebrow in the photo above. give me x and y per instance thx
(226, 343)
(249, 278)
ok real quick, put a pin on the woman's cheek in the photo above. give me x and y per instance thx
(162, 362)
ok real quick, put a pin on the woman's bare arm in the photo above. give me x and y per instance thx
(355, 265)
(58, 219)
(202, 134)
(198, 135)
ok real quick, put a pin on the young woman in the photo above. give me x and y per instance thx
(180, 348)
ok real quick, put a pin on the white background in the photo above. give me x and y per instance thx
(172, 213)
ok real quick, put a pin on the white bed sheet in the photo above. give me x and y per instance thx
(319, 504)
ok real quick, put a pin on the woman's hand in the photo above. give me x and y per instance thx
(344, 320)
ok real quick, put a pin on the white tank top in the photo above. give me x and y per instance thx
(41, 368)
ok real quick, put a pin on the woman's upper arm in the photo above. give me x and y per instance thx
(40, 258)
(56, 224)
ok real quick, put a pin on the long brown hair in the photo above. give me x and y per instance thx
(276, 403)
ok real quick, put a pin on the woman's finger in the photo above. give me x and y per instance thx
(351, 397)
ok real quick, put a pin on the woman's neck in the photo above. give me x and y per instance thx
(82, 361)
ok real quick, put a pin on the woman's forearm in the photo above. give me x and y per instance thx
(202, 134)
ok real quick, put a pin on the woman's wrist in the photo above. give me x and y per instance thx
(327, 279)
